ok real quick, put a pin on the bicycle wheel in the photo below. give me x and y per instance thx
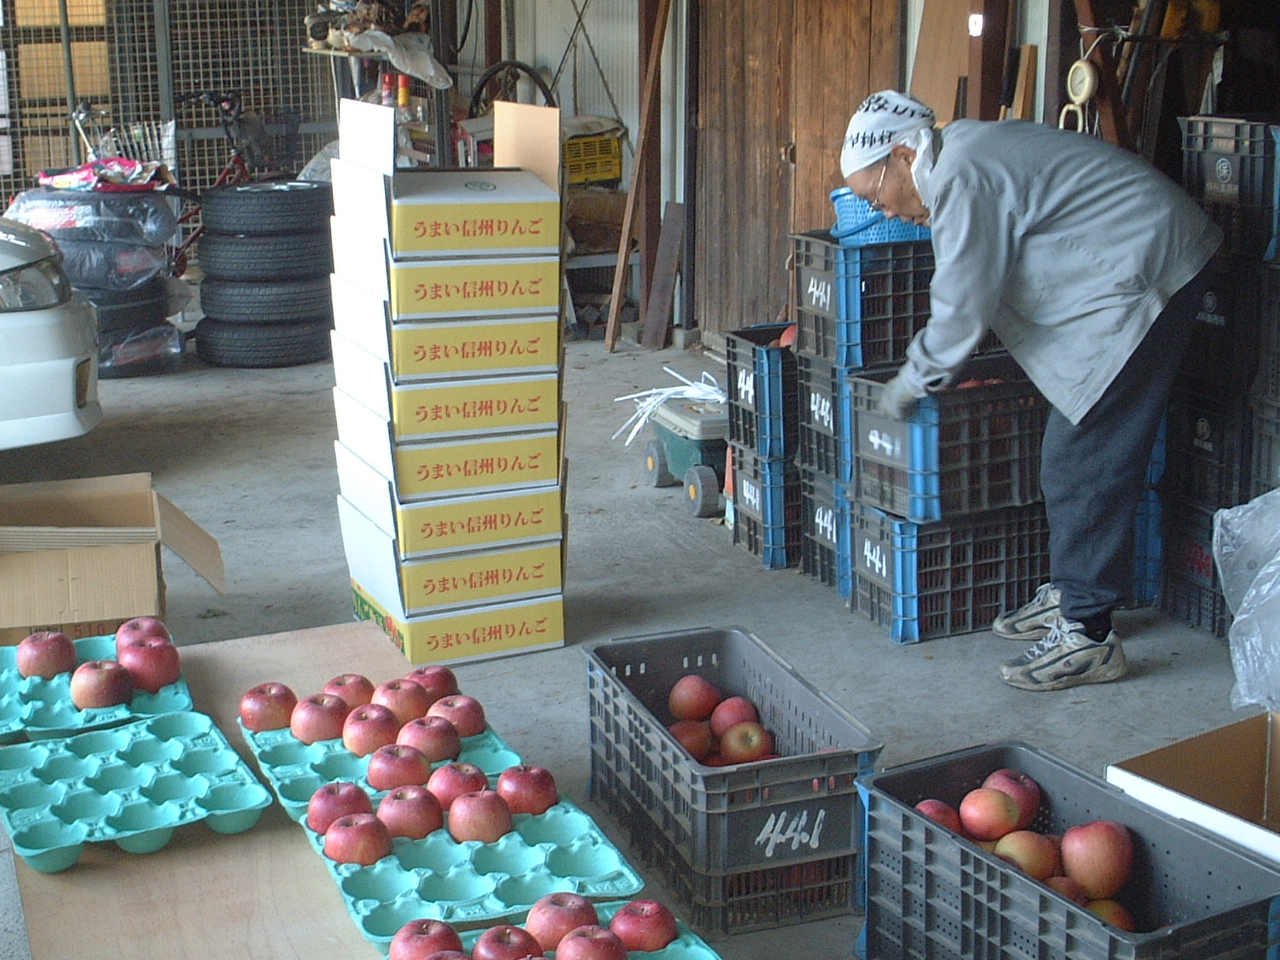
(298, 256)
(262, 345)
(262, 208)
(282, 301)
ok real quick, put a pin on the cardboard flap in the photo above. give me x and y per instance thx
(528, 137)
(192, 543)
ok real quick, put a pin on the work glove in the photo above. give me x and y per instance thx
(897, 399)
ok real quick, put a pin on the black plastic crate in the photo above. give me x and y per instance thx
(800, 807)
(1266, 446)
(766, 508)
(963, 450)
(763, 402)
(932, 894)
(819, 383)
(921, 581)
(1191, 590)
(1266, 279)
(1223, 351)
(819, 526)
(1208, 453)
(1229, 165)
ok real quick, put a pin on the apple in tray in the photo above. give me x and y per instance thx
(420, 939)
(528, 789)
(645, 925)
(45, 654)
(436, 737)
(438, 681)
(404, 697)
(397, 765)
(482, 815)
(96, 684)
(505, 941)
(318, 717)
(140, 627)
(555, 914)
(465, 713)
(368, 727)
(591, 942)
(153, 661)
(451, 780)
(355, 688)
(411, 811)
(334, 800)
(267, 706)
(359, 838)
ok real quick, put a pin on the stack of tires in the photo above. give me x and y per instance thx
(266, 258)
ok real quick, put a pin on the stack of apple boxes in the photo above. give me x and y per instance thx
(447, 362)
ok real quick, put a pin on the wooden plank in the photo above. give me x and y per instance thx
(1024, 92)
(667, 265)
(942, 55)
(987, 59)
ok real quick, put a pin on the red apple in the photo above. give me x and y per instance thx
(404, 698)
(45, 654)
(695, 736)
(506, 941)
(1068, 888)
(411, 811)
(730, 711)
(1035, 854)
(715, 760)
(449, 955)
(140, 627)
(368, 727)
(267, 706)
(528, 789)
(1113, 913)
(397, 765)
(334, 800)
(355, 688)
(438, 681)
(1098, 855)
(555, 914)
(101, 683)
(462, 711)
(482, 815)
(591, 942)
(419, 939)
(988, 813)
(436, 737)
(1022, 788)
(318, 717)
(451, 780)
(693, 698)
(943, 813)
(645, 925)
(154, 662)
(745, 742)
(357, 838)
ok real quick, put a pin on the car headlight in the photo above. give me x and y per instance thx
(34, 286)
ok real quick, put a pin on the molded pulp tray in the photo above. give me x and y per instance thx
(932, 894)
(43, 708)
(132, 784)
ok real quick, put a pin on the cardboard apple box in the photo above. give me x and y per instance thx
(83, 556)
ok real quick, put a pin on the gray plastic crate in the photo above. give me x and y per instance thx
(932, 894)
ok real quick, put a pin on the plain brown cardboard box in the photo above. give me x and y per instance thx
(83, 556)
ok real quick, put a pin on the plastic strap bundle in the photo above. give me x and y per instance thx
(706, 389)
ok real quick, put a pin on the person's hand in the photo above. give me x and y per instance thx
(896, 400)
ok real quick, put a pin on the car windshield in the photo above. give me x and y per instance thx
(35, 286)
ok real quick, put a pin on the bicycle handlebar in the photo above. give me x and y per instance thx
(229, 104)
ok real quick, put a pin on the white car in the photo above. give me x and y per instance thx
(48, 344)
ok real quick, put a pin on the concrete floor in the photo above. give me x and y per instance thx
(248, 454)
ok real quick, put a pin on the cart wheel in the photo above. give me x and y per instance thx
(655, 465)
(703, 488)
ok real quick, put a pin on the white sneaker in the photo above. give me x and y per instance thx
(1066, 657)
(1032, 620)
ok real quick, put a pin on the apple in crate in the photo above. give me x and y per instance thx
(1035, 854)
(465, 713)
(368, 727)
(942, 812)
(1113, 913)
(451, 780)
(988, 813)
(528, 789)
(1024, 790)
(45, 654)
(267, 706)
(101, 683)
(154, 662)
(1099, 856)
(355, 688)
(140, 627)
(397, 765)
(695, 736)
(506, 941)
(436, 737)
(591, 942)
(645, 925)
(693, 698)
(745, 742)
(318, 717)
(1068, 888)
(730, 711)
(359, 838)
(482, 816)
(334, 800)
(419, 939)
(404, 697)
(555, 914)
(411, 811)
(438, 681)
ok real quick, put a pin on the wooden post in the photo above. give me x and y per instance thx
(1111, 112)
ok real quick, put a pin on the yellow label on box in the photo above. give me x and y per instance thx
(475, 406)
(468, 634)
(453, 524)
(431, 349)
(423, 227)
(471, 578)
(507, 461)
(470, 288)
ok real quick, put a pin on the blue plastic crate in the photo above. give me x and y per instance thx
(761, 387)
(844, 541)
(1148, 550)
(858, 225)
(921, 581)
(964, 450)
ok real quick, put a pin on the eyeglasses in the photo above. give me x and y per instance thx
(875, 202)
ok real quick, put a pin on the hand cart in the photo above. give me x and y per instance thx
(691, 438)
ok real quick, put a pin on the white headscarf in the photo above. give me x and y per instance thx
(883, 121)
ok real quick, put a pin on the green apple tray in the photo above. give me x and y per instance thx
(35, 709)
(469, 884)
(132, 785)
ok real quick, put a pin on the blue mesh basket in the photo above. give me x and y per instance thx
(857, 225)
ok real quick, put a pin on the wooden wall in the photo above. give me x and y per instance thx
(778, 80)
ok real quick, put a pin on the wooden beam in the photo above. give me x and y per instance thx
(648, 102)
(987, 59)
(657, 317)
